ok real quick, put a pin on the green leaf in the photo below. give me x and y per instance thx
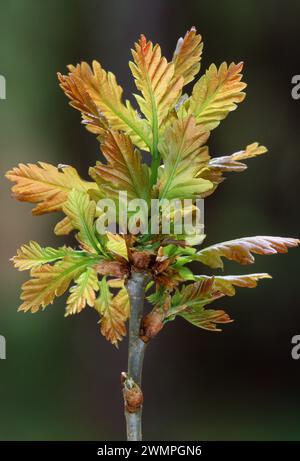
(181, 150)
(83, 292)
(216, 94)
(116, 244)
(33, 255)
(50, 281)
(82, 211)
(154, 77)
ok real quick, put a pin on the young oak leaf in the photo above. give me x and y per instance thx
(191, 301)
(182, 154)
(81, 211)
(240, 250)
(33, 255)
(216, 94)
(187, 56)
(106, 94)
(154, 79)
(116, 244)
(215, 167)
(49, 281)
(226, 284)
(207, 319)
(114, 311)
(45, 185)
(83, 292)
(233, 162)
(124, 171)
(74, 87)
(63, 227)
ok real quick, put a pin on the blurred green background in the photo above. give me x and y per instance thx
(61, 378)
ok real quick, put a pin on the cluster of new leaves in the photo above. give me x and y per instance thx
(174, 128)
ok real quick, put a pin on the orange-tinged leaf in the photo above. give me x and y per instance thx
(216, 94)
(83, 292)
(114, 311)
(81, 211)
(208, 319)
(154, 79)
(124, 171)
(187, 56)
(74, 87)
(226, 284)
(106, 95)
(240, 250)
(182, 154)
(50, 281)
(190, 302)
(63, 227)
(45, 185)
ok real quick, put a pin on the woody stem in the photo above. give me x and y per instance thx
(136, 349)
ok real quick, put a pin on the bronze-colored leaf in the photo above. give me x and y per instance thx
(105, 94)
(83, 292)
(154, 79)
(240, 250)
(124, 171)
(50, 281)
(45, 185)
(114, 311)
(187, 56)
(73, 86)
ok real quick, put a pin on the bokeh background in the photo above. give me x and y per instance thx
(61, 378)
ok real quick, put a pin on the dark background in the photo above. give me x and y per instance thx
(61, 377)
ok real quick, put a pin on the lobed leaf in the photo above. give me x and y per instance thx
(83, 292)
(63, 227)
(50, 281)
(208, 319)
(45, 185)
(116, 244)
(33, 255)
(81, 211)
(114, 311)
(182, 154)
(124, 171)
(74, 87)
(187, 56)
(190, 302)
(154, 79)
(233, 162)
(106, 95)
(216, 94)
(240, 250)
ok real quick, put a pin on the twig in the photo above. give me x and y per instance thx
(132, 380)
